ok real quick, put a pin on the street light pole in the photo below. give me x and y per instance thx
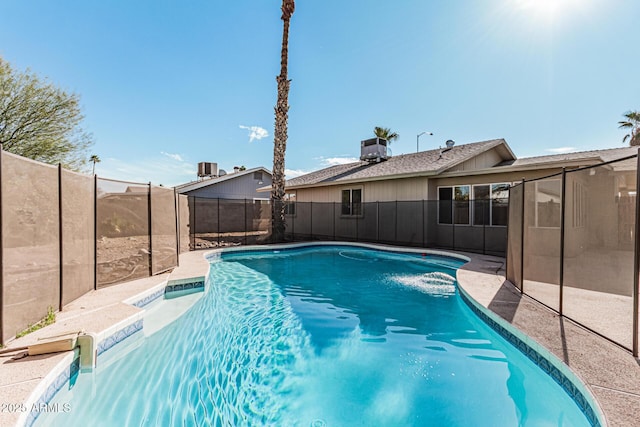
(418, 139)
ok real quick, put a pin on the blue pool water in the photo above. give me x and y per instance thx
(330, 336)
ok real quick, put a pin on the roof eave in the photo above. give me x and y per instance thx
(538, 166)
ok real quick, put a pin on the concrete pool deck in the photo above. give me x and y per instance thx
(610, 373)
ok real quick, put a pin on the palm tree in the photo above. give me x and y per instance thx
(633, 124)
(280, 133)
(95, 159)
(386, 134)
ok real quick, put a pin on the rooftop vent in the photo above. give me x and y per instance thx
(374, 150)
(207, 169)
(450, 143)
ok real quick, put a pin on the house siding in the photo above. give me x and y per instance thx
(243, 187)
(374, 191)
(482, 161)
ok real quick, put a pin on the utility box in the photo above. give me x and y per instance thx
(374, 150)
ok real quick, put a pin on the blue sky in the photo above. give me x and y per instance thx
(167, 84)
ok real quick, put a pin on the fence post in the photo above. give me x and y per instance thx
(334, 220)
(192, 224)
(484, 222)
(636, 263)
(563, 210)
(293, 221)
(311, 220)
(218, 225)
(395, 236)
(60, 246)
(522, 207)
(453, 225)
(1, 258)
(95, 232)
(245, 221)
(150, 231)
(378, 221)
(176, 207)
(423, 230)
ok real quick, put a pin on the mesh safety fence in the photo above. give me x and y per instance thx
(164, 252)
(78, 244)
(572, 237)
(122, 231)
(30, 242)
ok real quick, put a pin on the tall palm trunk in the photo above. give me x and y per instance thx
(280, 133)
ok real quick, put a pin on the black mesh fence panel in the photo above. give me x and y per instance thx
(345, 225)
(184, 222)
(30, 232)
(122, 218)
(163, 229)
(368, 223)
(387, 225)
(233, 214)
(78, 245)
(205, 222)
(543, 201)
(409, 223)
(599, 249)
(323, 221)
(258, 224)
(439, 234)
(301, 221)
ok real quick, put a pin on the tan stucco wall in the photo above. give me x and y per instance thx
(376, 191)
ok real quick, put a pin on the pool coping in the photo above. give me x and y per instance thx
(481, 279)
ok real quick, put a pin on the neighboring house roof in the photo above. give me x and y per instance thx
(194, 185)
(440, 162)
(582, 157)
(424, 163)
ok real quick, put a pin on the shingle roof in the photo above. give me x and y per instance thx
(423, 163)
(430, 162)
(597, 155)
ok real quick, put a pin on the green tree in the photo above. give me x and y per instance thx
(280, 133)
(386, 134)
(632, 123)
(95, 159)
(41, 121)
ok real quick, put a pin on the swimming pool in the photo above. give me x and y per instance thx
(317, 336)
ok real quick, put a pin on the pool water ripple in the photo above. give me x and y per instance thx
(310, 338)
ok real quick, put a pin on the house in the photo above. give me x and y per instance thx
(422, 198)
(241, 184)
(224, 204)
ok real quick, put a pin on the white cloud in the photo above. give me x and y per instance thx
(334, 161)
(176, 157)
(561, 150)
(165, 169)
(294, 173)
(255, 132)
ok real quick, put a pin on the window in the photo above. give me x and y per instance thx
(489, 204)
(453, 206)
(461, 204)
(352, 202)
(257, 175)
(481, 205)
(499, 204)
(445, 209)
(290, 203)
